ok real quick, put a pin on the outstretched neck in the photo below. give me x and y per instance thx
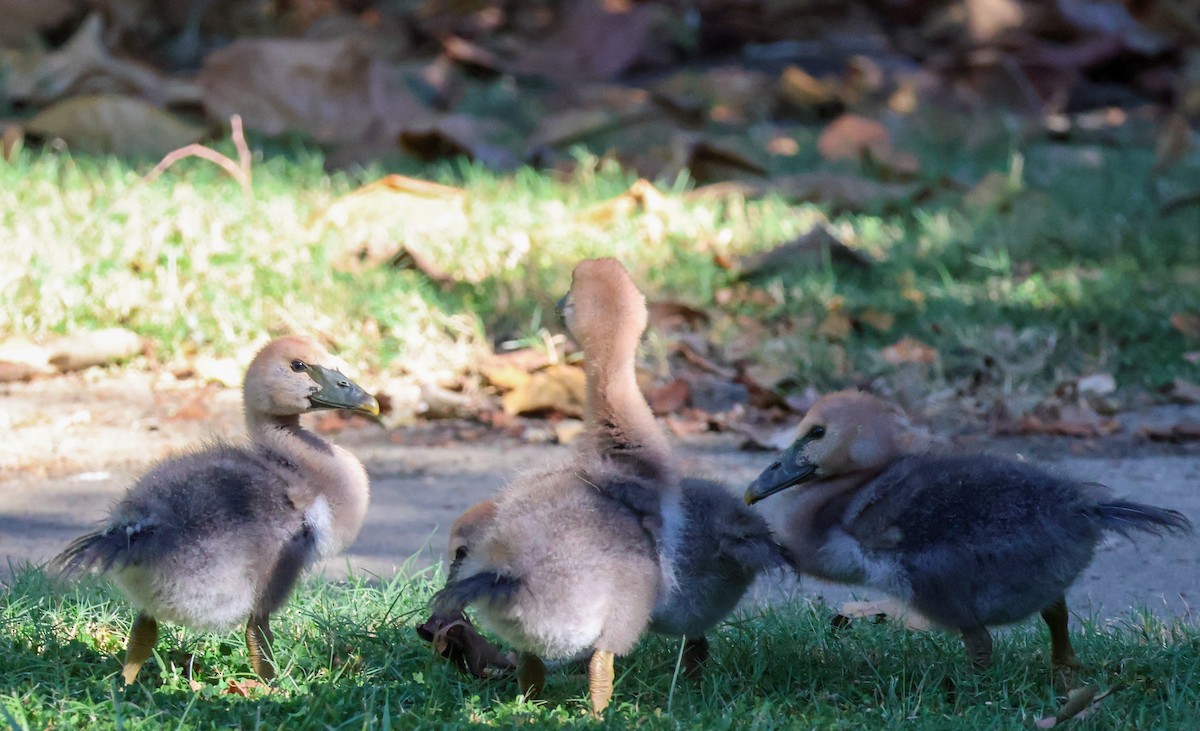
(333, 490)
(620, 422)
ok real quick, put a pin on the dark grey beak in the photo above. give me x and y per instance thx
(561, 305)
(335, 391)
(790, 469)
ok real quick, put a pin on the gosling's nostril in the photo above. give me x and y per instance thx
(344, 384)
(775, 465)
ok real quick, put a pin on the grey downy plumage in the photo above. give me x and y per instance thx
(219, 535)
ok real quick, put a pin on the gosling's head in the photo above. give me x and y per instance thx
(603, 300)
(465, 532)
(295, 375)
(843, 433)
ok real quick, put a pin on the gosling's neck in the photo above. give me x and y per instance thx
(812, 513)
(328, 472)
(619, 422)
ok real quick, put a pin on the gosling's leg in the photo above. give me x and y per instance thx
(259, 640)
(978, 644)
(600, 681)
(531, 675)
(142, 637)
(1063, 661)
(1061, 652)
(695, 655)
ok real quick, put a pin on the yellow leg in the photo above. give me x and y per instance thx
(259, 640)
(142, 637)
(600, 681)
(978, 644)
(531, 675)
(695, 654)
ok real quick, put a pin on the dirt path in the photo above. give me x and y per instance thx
(62, 471)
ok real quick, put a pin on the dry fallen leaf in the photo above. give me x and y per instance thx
(332, 90)
(641, 197)
(852, 137)
(807, 251)
(671, 315)
(836, 325)
(246, 687)
(1079, 700)
(456, 639)
(1185, 391)
(670, 398)
(884, 608)
(114, 124)
(21, 360)
(1179, 432)
(1187, 323)
(841, 191)
(908, 350)
(876, 319)
(84, 65)
(98, 347)
(1070, 421)
(558, 388)
(805, 92)
(596, 39)
(371, 221)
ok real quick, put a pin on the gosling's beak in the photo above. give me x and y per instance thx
(790, 469)
(561, 306)
(335, 391)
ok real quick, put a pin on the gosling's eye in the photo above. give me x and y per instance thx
(298, 365)
(816, 432)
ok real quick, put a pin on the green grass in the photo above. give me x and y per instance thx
(352, 660)
(1072, 270)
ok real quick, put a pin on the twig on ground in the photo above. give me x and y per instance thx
(239, 171)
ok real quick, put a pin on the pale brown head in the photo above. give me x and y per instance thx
(294, 375)
(465, 532)
(844, 433)
(603, 303)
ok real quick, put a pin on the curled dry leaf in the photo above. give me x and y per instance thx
(114, 124)
(457, 640)
(641, 197)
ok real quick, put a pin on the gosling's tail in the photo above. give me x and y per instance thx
(114, 546)
(1125, 516)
